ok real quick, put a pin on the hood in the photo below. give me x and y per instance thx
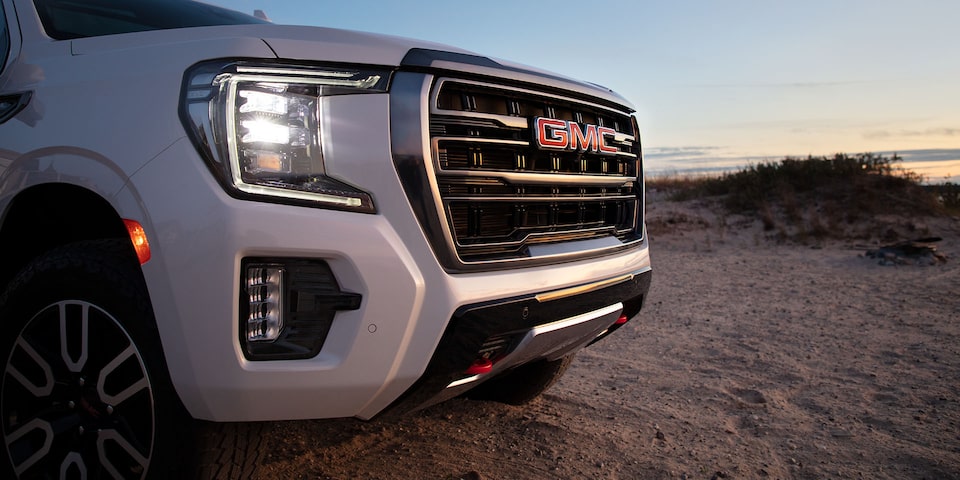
(328, 45)
(301, 43)
(285, 41)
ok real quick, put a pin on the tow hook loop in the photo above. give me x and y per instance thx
(480, 366)
(623, 319)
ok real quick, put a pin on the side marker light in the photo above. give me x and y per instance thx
(138, 238)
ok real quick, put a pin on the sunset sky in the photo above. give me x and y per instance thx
(717, 83)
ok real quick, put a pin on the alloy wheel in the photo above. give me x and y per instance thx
(75, 399)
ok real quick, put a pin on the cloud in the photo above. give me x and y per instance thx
(680, 152)
(930, 132)
(926, 155)
(779, 84)
(697, 160)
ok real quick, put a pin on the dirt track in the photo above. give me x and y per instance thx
(750, 360)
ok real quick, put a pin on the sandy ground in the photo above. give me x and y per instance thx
(750, 360)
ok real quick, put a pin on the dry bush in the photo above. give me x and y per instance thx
(816, 198)
(947, 195)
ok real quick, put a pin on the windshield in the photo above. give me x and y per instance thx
(66, 19)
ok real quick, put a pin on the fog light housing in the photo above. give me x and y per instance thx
(287, 307)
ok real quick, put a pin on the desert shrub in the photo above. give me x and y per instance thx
(816, 197)
(866, 183)
(947, 195)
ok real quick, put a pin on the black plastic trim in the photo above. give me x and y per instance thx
(424, 57)
(15, 103)
(472, 325)
(430, 61)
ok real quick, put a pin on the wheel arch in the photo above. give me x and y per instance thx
(50, 215)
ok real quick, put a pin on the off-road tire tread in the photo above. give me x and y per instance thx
(227, 451)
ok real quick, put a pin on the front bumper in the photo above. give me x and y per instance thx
(373, 355)
(518, 330)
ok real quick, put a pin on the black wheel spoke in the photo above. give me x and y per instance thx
(38, 390)
(76, 399)
(118, 456)
(29, 444)
(70, 326)
(73, 466)
(131, 385)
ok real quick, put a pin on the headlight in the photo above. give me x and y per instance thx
(258, 128)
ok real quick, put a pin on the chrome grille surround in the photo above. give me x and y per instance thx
(498, 200)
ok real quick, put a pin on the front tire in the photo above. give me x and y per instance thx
(84, 391)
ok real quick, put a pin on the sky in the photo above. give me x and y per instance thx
(717, 83)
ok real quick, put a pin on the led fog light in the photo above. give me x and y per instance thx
(265, 291)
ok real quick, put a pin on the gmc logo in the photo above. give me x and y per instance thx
(553, 134)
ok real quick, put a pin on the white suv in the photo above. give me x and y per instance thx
(206, 219)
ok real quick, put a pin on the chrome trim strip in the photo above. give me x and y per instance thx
(543, 178)
(518, 143)
(296, 71)
(568, 322)
(531, 238)
(553, 340)
(493, 141)
(464, 381)
(505, 121)
(590, 287)
(494, 86)
(533, 199)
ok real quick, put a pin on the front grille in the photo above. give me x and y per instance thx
(501, 194)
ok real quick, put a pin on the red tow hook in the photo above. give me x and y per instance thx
(623, 319)
(480, 366)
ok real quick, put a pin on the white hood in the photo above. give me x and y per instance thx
(288, 42)
(320, 44)
(301, 43)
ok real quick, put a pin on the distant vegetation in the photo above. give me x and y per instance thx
(820, 196)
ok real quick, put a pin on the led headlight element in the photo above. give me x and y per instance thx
(259, 128)
(264, 103)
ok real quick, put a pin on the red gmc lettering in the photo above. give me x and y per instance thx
(603, 133)
(583, 142)
(551, 133)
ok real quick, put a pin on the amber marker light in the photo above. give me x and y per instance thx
(138, 238)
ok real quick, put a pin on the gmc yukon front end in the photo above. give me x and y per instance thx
(206, 217)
